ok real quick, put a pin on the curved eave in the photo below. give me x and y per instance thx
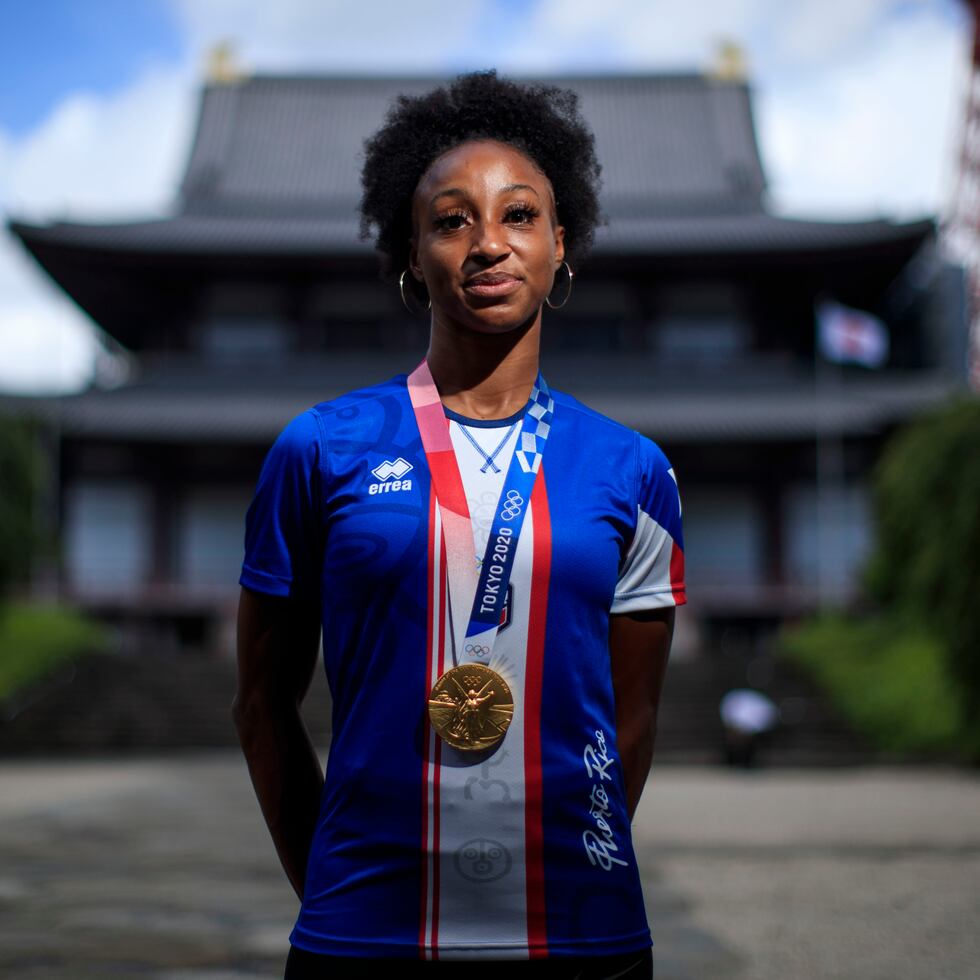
(136, 277)
(756, 235)
(212, 413)
(212, 237)
(193, 238)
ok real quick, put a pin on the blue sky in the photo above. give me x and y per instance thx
(858, 103)
(50, 47)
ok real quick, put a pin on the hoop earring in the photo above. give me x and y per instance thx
(568, 293)
(417, 309)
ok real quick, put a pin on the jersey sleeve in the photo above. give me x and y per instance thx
(652, 574)
(283, 526)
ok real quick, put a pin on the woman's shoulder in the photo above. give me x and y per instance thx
(586, 415)
(362, 408)
(604, 426)
(351, 403)
(352, 417)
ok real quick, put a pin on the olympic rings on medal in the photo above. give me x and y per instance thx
(477, 649)
(512, 505)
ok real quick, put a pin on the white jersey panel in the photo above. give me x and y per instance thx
(482, 887)
(644, 580)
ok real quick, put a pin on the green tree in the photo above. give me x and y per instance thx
(19, 483)
(926, 565)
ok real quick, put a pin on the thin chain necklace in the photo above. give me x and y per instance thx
(488, 457)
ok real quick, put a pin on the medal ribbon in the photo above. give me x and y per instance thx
(489, 585)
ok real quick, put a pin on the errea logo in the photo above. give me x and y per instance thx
(391, 476)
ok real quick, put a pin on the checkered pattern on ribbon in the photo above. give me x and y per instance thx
(534, 434)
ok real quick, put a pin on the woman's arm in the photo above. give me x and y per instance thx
(639, 644)
(278, 642)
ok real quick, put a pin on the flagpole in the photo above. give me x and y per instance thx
(844, 335)
(828, 388)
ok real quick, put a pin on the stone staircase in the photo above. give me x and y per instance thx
(111, 703)
(154, 702)
(689, 728)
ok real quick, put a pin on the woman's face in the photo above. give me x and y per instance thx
(486, 240)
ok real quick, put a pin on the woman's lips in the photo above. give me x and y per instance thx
(495, 285)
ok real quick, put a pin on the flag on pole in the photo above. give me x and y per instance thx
(849, 336)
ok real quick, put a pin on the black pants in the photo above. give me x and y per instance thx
(302, 965)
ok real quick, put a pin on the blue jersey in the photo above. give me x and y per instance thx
(419, 850)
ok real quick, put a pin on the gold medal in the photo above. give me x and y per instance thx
(470, 707)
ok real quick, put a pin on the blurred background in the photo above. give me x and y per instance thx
(782, 296)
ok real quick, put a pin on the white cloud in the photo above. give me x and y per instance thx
(335, 35)
(800, 37)
(103, 156)
(868, 136)
(45, 350)
(683, 34)
(635, 34)
(91, 158)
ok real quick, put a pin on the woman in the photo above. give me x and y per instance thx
(493, 719)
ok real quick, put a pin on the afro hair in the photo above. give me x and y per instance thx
(542, 121)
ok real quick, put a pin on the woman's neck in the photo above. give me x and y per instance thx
(484, 376)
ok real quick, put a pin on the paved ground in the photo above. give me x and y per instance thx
(160, 868)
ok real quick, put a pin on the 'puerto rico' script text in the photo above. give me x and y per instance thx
(600, 843)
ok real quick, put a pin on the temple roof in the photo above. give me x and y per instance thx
(286, 145)
(272, 185)
(274, 170)
(199, 235)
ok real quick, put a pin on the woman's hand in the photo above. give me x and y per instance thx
(639, 644)
(278, 642)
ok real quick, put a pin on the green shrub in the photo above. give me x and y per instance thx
(888, 679)
(926, 563)
(909, 676)
(35, 640)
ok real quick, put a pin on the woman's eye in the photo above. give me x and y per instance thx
(451, 222)
(521, 216)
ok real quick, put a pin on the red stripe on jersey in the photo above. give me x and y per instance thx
(537, 933)
(677, 574)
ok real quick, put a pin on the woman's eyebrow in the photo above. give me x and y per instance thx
(510, 188)
(448, 192)
(458, 191)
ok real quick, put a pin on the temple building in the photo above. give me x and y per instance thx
(693, 321)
